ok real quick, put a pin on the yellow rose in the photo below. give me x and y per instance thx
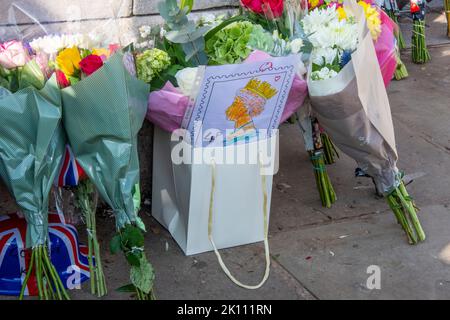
(68, 60)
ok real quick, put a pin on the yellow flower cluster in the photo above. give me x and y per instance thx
(372, 18)
(341, 13)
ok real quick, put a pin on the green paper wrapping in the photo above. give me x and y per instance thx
(103, 114)
(31, 148)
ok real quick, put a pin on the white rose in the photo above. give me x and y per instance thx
(186, 80)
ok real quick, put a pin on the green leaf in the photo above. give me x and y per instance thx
(115, 244)
(187, 3)
(127, 288)
(132, 236)
(73, 80)
(143, 276)
(134, 259)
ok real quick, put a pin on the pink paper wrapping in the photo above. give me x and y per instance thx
(385, 48)
(166, 107)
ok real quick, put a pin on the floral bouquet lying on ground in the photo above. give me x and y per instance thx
(31, 148)
(349, 99)
(104, 108)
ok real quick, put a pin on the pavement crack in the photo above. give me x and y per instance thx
(291, 275)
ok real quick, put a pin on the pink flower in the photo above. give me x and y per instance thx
(276, 6)
(42, 60)
(13, 54)
(113, 48)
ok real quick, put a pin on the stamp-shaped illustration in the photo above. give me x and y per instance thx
(237, 103)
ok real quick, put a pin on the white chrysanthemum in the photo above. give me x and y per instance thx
(51, 44)
(318, 19)
(321, 56)
(323, 74)
(343, 34)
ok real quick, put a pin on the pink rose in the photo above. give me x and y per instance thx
(90, 64)
(13, 54)
(276, 6)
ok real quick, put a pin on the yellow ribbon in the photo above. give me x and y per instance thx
(266, 232)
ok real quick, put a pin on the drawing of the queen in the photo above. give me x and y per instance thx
(248, 103)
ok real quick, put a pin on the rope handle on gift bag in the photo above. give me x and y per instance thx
(266, 241)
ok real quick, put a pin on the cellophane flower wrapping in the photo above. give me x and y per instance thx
(31, 149)
(353, 107)
(385, 47)
(102, 115)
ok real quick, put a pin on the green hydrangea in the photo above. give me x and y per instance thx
(229, 45)
(150, 63)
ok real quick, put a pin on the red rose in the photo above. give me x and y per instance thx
(90, 64)
(63, 82)
(253, 5)
(276, 6)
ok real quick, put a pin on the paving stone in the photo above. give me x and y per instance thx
(332, 261)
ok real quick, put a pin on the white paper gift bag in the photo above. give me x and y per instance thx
(212, 205)
(181, 197)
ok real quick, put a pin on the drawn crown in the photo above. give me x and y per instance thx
(263, 89)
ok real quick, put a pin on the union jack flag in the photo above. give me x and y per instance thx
(70, 172)
(65, 252)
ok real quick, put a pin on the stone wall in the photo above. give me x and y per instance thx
(57, 16)
(54, 16)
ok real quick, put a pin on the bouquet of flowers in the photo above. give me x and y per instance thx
(72, 64)
(104, 108)
(349, 98)
(419, 51)
(182, 45)
(31, 148)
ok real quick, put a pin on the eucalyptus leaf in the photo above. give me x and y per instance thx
(183, 31)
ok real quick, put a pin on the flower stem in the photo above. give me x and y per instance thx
(324, 186)
(405, 211)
